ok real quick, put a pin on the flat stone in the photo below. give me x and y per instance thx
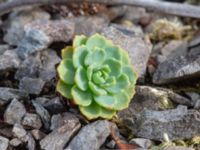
(7, 94)
(31, 85)
(15, 142)
(43, 113)
(3, 48)
(35, 67)
(151, 98)
(176, 123)
(3, 143)
(32, 121)
(60, 119)
(14, 26)
(37, 134)
(92, 136)
(172, 49)
(141, 142)
(178, 68)
(53, 105)
(31, 145)
(19, 131)
(40, 34)
(139, 50)
(9, 60)
(89, 25)
(14, 112)
(57, 139)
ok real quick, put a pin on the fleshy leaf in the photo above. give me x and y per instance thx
(130, 91)
(107, 101)
(79, 56)
(79, 40)
(112, 51)
(95, 57)
(92, 111)
(83, 98)
(115, 67)
(107, 113)
(90, 72)
(128, 70)
(124, 57)
(95, 41)
(64, 89)
(66, 71)
(98, 78)
(67, 52)
(122, 101)
(96, 90)
(81, 79)
(109, 82)
(122, 83)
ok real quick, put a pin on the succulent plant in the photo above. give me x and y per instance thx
(97, 76)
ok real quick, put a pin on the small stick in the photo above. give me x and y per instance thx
(178, 9)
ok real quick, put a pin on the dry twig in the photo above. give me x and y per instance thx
(165, 7)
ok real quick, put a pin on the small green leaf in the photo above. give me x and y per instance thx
(95, 57)
(64, 89)
(109, 82)
(67, 52)
(79, 56)
(92, 111)
(122, 101)
(83, 98)
(130, 91)
(95, 41)
(122, 83)
(107, 101)
(81, 79)
(112, 51)
(128, 70)
(90, 72)
(115, 67)
(124, 57)
(107, 113)
(98, 78)
(96, 90)
(66, 71)
(79, 40)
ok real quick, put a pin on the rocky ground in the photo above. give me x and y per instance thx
(165, 51)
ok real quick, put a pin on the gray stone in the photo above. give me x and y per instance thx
(53, 105)
(3, 143)
(7, 94)
(89, 25)
(91, 136)
(19, 131)
(37, 134)
(9, 61)
(40, 34)
(195, 41)
(179, 123)
(60, 119)
(172, 49)
(15, 142)
(195, 99)
(31, 145)
(151, 98)
(138, 49)
(14, 112)
(3, 48)
(14, 26)
(31, 85)
(40, 65)
(32, 121)
(178, 148)
(57, 139)
(44, 114)
(141, 142)
(177, 68)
